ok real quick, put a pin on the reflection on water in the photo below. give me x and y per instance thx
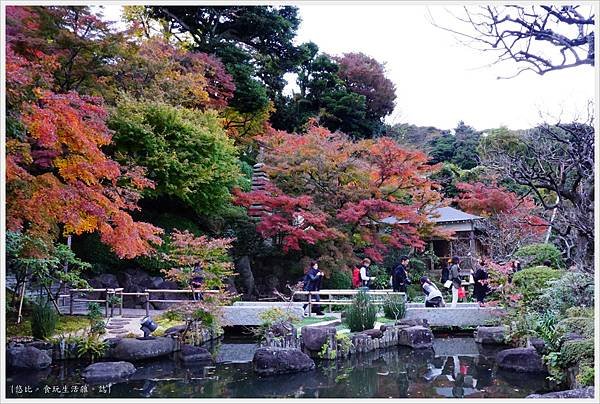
(455, 368)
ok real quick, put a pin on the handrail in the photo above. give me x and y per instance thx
(120, 292)
(341, 292)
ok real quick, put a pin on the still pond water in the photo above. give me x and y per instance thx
(456, 367)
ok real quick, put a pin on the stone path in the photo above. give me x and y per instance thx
(119, 327)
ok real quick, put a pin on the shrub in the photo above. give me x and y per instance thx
(172, 315)
(382, 278)
(531, 282)
(416, 270)
(572, 289)
(204, 317)
(339, 280)
(91, 347)
(583, 326)
(415, 293)
(579, 351)
(585, 377)
(43, 321)
(537, 254)
(97, 325)
(361, 315)
(394, 307)
(580, 312)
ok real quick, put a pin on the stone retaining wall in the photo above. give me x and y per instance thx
(465, 315)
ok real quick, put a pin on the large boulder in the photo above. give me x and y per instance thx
(282, 329)
(175, 330)
(490, 335)
(132, 349)
(274, 361)
(102, 372)
(520, 360)
(190, 353)
(313, 338)
(27, 357)
(157, 282)
(417, 337)
(586, 392)
(374, 333)
(109, 281)
(537, 343)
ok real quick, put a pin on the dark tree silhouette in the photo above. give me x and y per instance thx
(540, 38)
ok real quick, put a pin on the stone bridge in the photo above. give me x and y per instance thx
(464, 315)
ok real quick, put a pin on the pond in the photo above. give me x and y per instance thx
(456, 367)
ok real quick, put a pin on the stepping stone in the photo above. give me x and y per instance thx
(115, 327)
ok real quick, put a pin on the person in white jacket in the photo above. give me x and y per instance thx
(364, 273)
(433, 296)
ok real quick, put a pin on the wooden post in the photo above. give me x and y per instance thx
(20, 315)
(106, 303)
(52, 299)
(70, 302)
(147, 304)
(309, 303)
(121, 304)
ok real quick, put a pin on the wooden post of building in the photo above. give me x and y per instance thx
(309, 303)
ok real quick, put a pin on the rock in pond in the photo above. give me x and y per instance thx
(275, 361)
(27, 357)
(520, 360)
(102, 372)
(417, 337)
(175, 330)
(411, 322)
(190, 353)
(132, 349)
(586, 392)
(490, 335)
(313, 338)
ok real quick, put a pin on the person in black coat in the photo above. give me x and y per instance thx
(480, 288)
(312, 283)
(400, 275)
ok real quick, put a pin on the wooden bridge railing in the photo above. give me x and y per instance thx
(334, 296)
(109, 293)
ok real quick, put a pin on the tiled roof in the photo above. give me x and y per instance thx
(440, 215)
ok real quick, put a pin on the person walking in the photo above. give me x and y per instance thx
(515, 267)
(455, 278)
(196, 281)
(364, 273)
(400, 275)
(480, 286)
(312, 283)
(433, 296)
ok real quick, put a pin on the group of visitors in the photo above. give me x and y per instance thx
(400, 279)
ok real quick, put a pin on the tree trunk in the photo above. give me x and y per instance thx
(242, 267)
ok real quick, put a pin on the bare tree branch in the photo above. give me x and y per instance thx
(539, 38)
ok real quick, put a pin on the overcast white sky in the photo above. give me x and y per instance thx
(439, 81)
